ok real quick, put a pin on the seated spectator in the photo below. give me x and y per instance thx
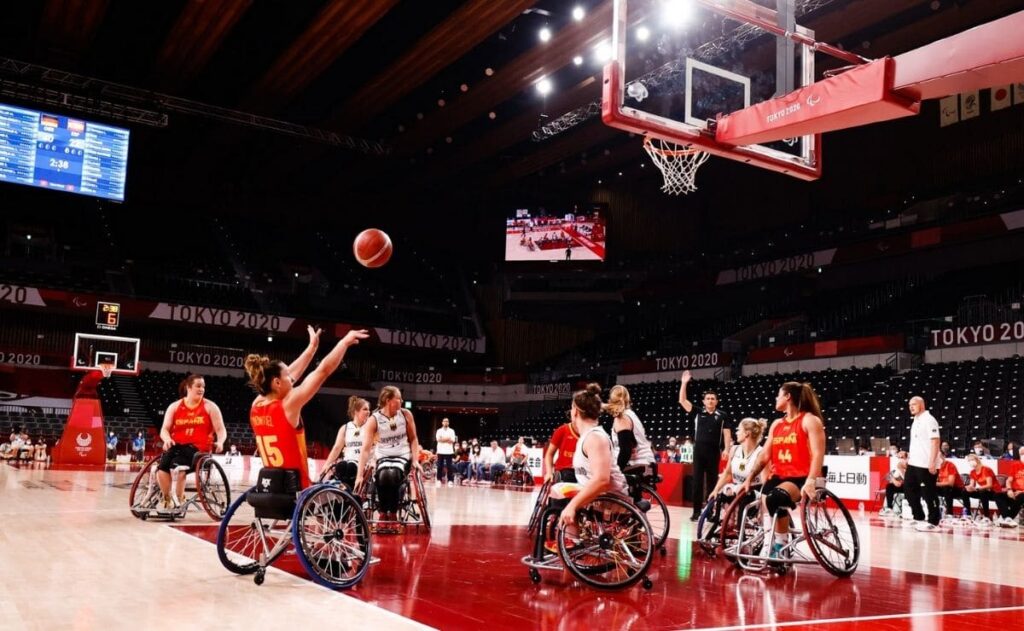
(462, 460)
(111, 447)
(476, 462)
(979, 449)
(671, 450)
(234, 451)
(1011, 502)
(40, 451)
(949, 485)
(983, 487)
(947, 452)
(894, 451)
(494, 459)
(1011, 451)
(27, 450)
(895, 486)
(139, 447)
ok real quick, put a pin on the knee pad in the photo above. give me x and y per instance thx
(778, 498)
(389, 477)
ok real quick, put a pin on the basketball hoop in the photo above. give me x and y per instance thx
(106, 369)
(678, 163)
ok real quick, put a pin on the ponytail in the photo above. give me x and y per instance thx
(803, 397)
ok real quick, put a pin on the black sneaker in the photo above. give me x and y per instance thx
(695, 516)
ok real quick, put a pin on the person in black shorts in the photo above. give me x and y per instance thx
(713, 440)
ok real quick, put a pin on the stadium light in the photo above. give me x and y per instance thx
(675, 13)
(544, 86)
(578, 13)
(545, 34)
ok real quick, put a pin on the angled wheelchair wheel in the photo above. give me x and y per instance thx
(421, 501)
(213, 488)
(331, 537)
(831, 534)
(657, 515)
(538, 508)
(145, 492)
(707, 535)
(239, 545)
(610, 546)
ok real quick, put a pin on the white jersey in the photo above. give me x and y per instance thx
(642, 453)
(582, 465)
(392, 436)
(741, 465)
(353, 442)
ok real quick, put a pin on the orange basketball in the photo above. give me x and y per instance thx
(372, 247)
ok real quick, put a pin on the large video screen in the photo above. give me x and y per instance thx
(540, 235)
(62, 153)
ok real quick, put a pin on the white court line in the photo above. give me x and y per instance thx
(305, 581)
(894, 616)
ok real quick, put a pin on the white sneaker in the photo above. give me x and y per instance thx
(1006, 522)
(982, 522)
(885, 512)
(450, 484)
(926, 527)
(437, 484)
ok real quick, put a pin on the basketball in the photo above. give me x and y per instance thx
(372, 248)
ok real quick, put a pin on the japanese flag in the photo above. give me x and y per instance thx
(949, 110)
(1001, 97)
(970, 105)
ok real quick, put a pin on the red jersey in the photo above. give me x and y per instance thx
(281, 445)
(192, 426)
(983, 478)
(1015, 480)
(790, 453)
(949, 469)
(564, 439)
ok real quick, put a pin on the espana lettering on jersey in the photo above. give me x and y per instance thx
(978, 334)
(211, 316)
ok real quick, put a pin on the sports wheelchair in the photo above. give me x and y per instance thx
(642, 484)
(412, 511)
(517, 474)
(610, 546)
(827, 536)
(209, 489)
(325, 525)
(717, 526)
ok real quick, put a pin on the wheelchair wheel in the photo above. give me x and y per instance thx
(707, 536)
(612, 546)
(657, 515)
(421, 501)
(238, 539)
(145, 493)
(538, 508)
(331, 537)
(831, 534)
(213, 488)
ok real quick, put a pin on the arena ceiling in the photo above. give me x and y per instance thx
(342, 98)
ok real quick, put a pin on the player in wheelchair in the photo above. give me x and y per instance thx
(717, 523)
(635, 458)
(517, 473)
(591, 527)
(394, 499)
(796, 452)
(187, 431)
(323, 522)
(342, 462)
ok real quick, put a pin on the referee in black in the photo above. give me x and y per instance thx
(712, 431)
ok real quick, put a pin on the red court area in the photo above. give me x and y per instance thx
(470, 577)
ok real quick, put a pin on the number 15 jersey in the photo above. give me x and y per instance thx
(281, 445)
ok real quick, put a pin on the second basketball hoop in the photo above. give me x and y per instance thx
(678, 164)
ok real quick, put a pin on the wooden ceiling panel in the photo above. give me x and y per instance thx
(198, 32)
(337, 27)
(471, 24)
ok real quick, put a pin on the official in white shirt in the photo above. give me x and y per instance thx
(922, 466)
(445, 454)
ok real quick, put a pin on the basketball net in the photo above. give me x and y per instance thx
(106, 369)
(678, 164)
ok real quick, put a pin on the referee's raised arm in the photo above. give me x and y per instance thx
(683, 401)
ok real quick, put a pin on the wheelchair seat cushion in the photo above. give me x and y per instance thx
(274, 495)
